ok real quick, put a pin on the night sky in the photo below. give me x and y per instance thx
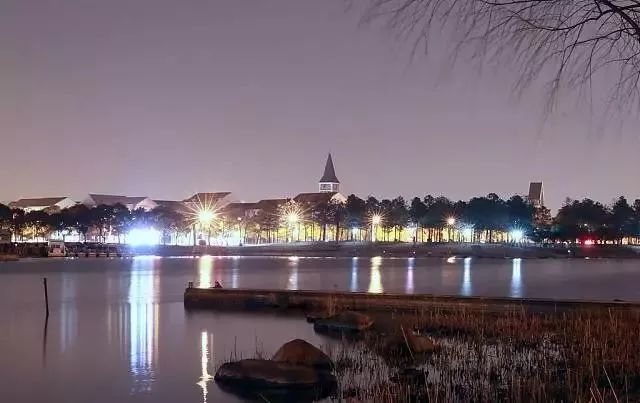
(166, 98)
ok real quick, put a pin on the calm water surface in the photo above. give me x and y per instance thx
(118, 330)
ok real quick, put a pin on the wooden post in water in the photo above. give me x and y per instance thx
(46, 296)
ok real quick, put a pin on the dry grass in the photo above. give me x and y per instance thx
(582, 356)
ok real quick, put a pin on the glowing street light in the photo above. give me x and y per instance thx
(467, 233)
(517, 235)
(293, 217)
(451, 221)
(205, 217)
(376, 219)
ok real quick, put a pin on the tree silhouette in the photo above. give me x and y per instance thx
(622, 220)
(417, 212)
(5, 216)
(571, 40)
(355, 211)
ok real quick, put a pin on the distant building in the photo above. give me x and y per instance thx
(536, 194)
(132, 203)
(319, 198)
(211, 201)
(270, 205)
(47, 204)
(329, 182)
(174, 205)
(241, 210)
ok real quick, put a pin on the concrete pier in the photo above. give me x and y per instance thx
(220, 298)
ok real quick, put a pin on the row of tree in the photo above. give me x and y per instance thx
(488, 218)
(98, 221)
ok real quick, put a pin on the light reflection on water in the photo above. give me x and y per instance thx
(68, 312)
(411, 262)
(466, 289)
(235, 269)
(105, 326)
(143, 325)
(375, 282)
(205, 377)
(205, 271)
(516, 280)
(354, 274)
(292, 281)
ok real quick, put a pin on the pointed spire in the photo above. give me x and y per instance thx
(329, 175)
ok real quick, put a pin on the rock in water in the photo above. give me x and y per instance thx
(299, 352)
(275, 380)
(345, 321)
(420, 344)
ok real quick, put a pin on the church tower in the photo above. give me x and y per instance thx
(329, 182)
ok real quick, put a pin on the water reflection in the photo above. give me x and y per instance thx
(375, 282)
(408, 287)
(205, 271)
(292, 282)
(466, 278)
(205, 377)
(354, 274)
(143, 323)
(68, 312)
(516, 280)
(235, 268)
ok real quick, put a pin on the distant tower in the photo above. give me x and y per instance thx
(329, 182)
(536, 194)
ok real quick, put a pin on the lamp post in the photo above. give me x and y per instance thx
(376, 219)
(292, 219)
(451, 221)
(205, 218)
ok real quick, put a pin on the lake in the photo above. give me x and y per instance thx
(118, 330)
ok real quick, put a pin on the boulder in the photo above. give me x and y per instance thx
(420, 344)
(275, 380)
(347, 321)
(404, 343)
(299, 352)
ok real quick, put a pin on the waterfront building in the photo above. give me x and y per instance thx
(318, 198)
(132, 203)
(329, 182)
(536, 194)
(47, 204)
(208, 200)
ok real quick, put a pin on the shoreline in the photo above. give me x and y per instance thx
(402, 250)
(351, 249)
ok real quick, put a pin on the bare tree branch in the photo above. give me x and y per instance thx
(573, 40)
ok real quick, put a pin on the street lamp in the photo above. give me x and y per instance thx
(293, 217)
(376, 219)
(517, 235)
(240, 239)
(451, 221)
(205, 218)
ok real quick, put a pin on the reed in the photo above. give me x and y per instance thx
(488, 356)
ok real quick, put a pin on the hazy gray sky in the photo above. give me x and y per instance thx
(166, 98)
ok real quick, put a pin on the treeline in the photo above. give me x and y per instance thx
(428, 219)
(98, 221)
